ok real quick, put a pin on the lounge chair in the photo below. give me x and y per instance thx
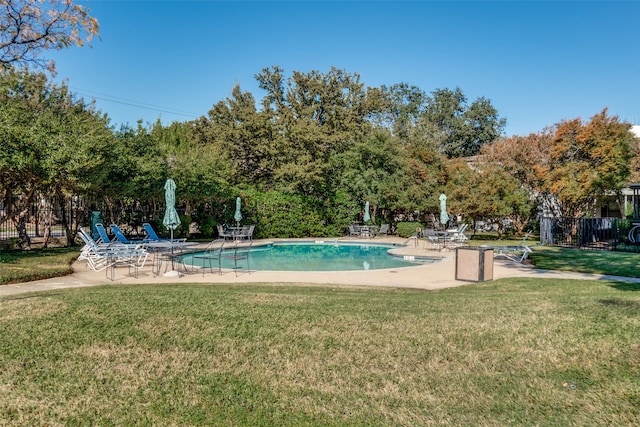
(102, 233)
(456, 237)
(107, 256)
(517, 253)
(152, 236)
(120, 237)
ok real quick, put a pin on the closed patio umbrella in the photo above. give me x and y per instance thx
(171, 218)
(366, 217)
(444, 216)
(238, 215)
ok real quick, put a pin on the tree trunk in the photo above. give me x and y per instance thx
(21, 228)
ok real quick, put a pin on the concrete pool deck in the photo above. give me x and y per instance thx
(437, 275)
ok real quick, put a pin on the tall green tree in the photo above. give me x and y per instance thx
(373, 170)
(315, 115)
(53, 144)
(467, 128)
(396, 108)
(243, 136)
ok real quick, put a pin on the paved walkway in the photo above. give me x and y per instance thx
(438, 275)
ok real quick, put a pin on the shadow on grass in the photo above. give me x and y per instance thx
(626, 286)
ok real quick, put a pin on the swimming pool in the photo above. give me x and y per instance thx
(320, 256)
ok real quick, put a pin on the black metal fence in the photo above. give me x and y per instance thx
(55, 219)
(40, 219)
(591, 233)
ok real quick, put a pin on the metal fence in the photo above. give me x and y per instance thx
(591, 233)
(74, 213)
(39, 219)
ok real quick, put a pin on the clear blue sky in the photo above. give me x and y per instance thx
(538, 62)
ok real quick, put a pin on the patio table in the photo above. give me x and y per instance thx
(165, 251)
(368, 231)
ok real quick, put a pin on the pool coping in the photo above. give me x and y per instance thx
(395, 249)
(431, 276)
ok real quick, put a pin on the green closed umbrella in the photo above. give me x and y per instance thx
(444, 216)
(171, 218)
(366, 217)
(238, 215)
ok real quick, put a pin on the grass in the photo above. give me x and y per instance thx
(585, 261)
(23, 266)
(513, 351)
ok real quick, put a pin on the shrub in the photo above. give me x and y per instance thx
(406, 229)
(207, 225)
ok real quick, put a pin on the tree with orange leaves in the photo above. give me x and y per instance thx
(27, 27)
(572, 164)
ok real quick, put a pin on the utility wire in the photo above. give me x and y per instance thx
(131, 103)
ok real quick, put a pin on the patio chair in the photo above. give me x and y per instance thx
(432, 239)
(223, 234)
(384, 229)
(92, 252)
(152, 236)
(354, 230)
(120, 237)
(517, 253)
(210, 256)
(238, 252)
(247, 232)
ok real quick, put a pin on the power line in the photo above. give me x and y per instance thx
(132, 103)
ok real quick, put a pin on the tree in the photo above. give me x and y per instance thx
(27, 27)
(587, 161)
(486, 191)
(243, 136)
(53, 144)
(425, 169)
(396, 108)
(372, 171)
(314, 116)
(467, 128)
(571, 164)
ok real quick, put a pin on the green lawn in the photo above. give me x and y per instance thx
(585, 261)
(516, 351)
(22, 266)
(510, 351)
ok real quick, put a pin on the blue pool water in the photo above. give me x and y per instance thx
(328, 256)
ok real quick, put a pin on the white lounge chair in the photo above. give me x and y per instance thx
(456, 237)
(517, 253)
(107, 256)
